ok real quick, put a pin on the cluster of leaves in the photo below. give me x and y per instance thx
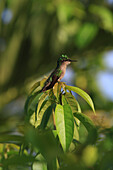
(51, 134)
(51, 129)
(70, 26)
(60, 105)
(44, 152)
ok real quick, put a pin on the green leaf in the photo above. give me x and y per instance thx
(64, 125)
(17, 160)
(30, 99)
(41, 100)
(46, 116)
(72, 102)
(83, 94)
(34, 101)
(33, 88)
(42, 165)
(69, 124)
(86, 121)
(35, 119)
(76, 133)
(30, 105)
(44, 107)
(54, 133)
(42, 82)
(11, 138)
(55, 90)
(32, 119)
(74, 107)
(44, 141)
(64, 102)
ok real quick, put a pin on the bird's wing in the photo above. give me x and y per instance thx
(53, 78)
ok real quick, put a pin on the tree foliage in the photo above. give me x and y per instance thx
(52, 138)
(57, 132)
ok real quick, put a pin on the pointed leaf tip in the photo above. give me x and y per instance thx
(83, 94)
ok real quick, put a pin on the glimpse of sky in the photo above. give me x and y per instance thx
(6, 16)
(105, 82)
(108, 60)
(110, 1)
(105, 78)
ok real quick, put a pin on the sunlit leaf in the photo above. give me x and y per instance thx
(42, 82)
(64, 125)
(41, 100)
(37, 84)
(64, 102)
(55, 90)
(54, 133)
(32, 118)
(45, 104)
(42, 165)
(72, 102)
(74, 107)
(83, 94)
(76, 133)
(46, 116)
(62, 84)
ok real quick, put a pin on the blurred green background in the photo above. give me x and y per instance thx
(34, 33)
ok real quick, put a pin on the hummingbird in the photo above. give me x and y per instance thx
(58, 73)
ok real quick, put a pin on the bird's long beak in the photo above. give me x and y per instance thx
(71, 60)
